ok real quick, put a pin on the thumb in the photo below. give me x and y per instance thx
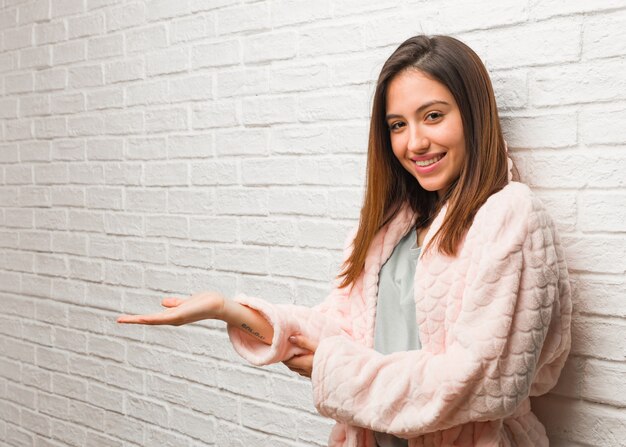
(171, 302)
(303, 342)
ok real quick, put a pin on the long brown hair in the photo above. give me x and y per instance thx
(389, 186)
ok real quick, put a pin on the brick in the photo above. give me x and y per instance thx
(105, 99)
(551, 131)
(198, 145)
(144, 251)
(594, 128)
(578, 83)
(275, 290)
(85, 25)
(36, 58)
(53, 79)
(301, 139)
(214, 114)
(165, 120)
(20, 83)
(242, 82)
(87, 415)
(145, 200)
(145, 148)
(299, 264)
(599, 211)
(147, 410)
(542, 9)
(194, 425)
(289, 12)
(105, 397)
(68, 434)
(196, 202)
(165, 280)
(188, 29)
(250, 17)
(579, 420)
(125, 123)
(146, 39)
(166, 174)
(269, 419)
(299, 77)
(192, 88)
(297, 201)
(105, 47)
(128, 15)
(85, 126)
(124, 70)
(332, 106)
(599, 295)
(601, 170)
(171, 390)
(164, 9)
(38, 11)
(63, 8)
(214, 229)
(242, 141)
(124, 377)
(167, 226)
(70, 387)
(106, 247)
(242, 201)
(216, 54)
(243, 259)
(16, 38)
(52, 405)
(85, 76)
(86, 173)
(316, 41)
(262, 111)
(187, 256)
(270, 232)
(21, 395)
(604, 35)
(214, 173)
(105, 149)
(34, 196)
(68, 150)
(86, 221)
(270, 46)
(168, 61)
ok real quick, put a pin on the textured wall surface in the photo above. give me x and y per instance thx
(161, 148)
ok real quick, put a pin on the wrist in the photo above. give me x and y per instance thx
(227, 310)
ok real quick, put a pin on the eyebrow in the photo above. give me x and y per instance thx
(419, 109)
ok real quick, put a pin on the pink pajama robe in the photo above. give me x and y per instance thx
(494, 325)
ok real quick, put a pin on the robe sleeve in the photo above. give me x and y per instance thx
(331, 317)
(508, 328)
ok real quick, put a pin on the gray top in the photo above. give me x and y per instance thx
(395, 327)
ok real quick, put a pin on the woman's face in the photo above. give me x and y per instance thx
(426, 129)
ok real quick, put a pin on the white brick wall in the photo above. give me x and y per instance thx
(168, 147)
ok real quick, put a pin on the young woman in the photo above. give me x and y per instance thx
(454, 304)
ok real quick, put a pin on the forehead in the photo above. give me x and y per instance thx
(412, 88)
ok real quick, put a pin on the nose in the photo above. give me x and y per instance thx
(417, 140)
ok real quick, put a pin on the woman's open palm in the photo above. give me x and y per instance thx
(201, 306)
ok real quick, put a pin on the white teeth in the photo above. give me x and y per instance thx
(429, 162)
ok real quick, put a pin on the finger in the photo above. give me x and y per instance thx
(299, 362)
(171, 302)
(160, 318)
(303, 342)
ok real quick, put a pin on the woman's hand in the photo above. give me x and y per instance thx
(303, 363)
(200, 306)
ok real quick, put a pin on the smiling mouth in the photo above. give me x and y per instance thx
(429, 162)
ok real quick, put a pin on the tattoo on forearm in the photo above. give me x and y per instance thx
(251, 331)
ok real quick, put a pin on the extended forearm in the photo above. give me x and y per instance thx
(248, 320)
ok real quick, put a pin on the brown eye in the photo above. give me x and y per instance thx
(433, 116)
(395, 126)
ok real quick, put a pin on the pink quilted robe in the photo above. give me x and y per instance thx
(494, 326)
